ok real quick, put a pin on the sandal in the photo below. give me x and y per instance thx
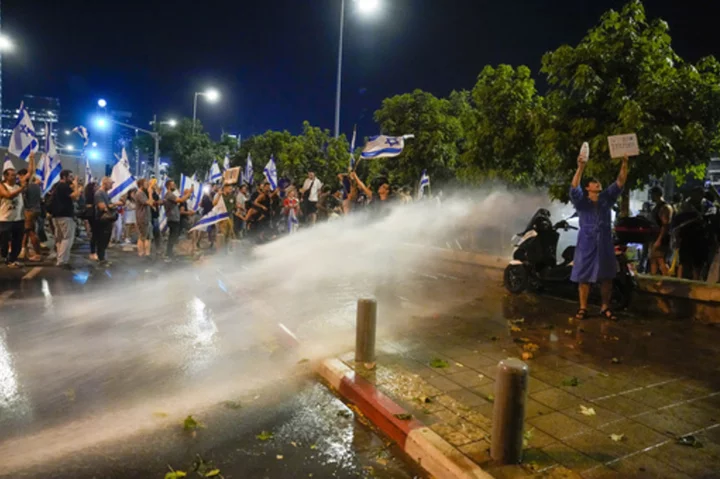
(608, 314)
(581, 314)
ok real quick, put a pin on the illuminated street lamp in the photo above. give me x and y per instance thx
(102, 103)
(67, 132)
(69, 147)
(6, 45)
(212, 96)
(94, 144)
(365, 7)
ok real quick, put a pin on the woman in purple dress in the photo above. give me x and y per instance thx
(594, 260)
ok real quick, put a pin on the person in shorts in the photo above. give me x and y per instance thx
(33, 210)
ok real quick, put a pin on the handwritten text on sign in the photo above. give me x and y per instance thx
(621, 145)
(231, 176)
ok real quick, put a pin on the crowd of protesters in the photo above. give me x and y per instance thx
(687, 235)
(258, 213)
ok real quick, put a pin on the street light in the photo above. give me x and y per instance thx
(365, 7)
(172, 123)
(212, 96)
(102, 103)
(69, 147)
(67, 132)
(6, 45)
(94, 144)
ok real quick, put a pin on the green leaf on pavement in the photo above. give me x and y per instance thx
(403, 417)
(190, 424)
(572, 382)
(264, 436)
(213, 473)
(175, 475)
(490, 398)
(439, 363)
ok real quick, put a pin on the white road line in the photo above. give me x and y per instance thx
(33, 272)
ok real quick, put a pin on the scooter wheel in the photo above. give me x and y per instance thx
(516, 278)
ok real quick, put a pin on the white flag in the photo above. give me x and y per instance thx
(82, 131)
(123, 181)
(384, 146)
(88, 173)
(215, 173)
(23, 140)
(226, 163)
(51, 165)
(249, 173)
(123, 158)
(424, 183)
(216, 215)
(270, 172)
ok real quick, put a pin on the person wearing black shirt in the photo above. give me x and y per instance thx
(63, 211)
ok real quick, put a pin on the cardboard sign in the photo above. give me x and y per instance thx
(621, 145)
(585, 152)
(231, 176)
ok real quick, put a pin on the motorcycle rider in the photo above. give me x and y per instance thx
(594, 260)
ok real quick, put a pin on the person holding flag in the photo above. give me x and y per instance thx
(215, 173)
(226, 162)
(248, 173)
(23, 140)
(172, 212)
(62, 209)
(424, 183)
(225, 227)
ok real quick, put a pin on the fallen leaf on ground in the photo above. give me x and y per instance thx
(438, 363)
(70, 395)
(527, 436)
(689, 441)
(490, 398)
(344, 413)
(264, 436)
(568, 331)
(587, 411)
(515, 329)
(615, 361)
(213, 473)
(531, 347)
(303, 361)
(160, 414)
(572, 382)
(279, 457)
(294, 444)
(382, 461)
(190, 424)
(526, 355)
(617, 437)
(232, 404)
(175, 475)
(403, 416)
(313, 446)
(459, 365)
(516, 321)
(493, 338)
(423, 400)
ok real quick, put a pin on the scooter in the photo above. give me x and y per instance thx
(534, 264)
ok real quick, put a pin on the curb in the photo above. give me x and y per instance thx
(438, 457)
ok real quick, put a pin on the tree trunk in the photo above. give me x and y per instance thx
(625, 203)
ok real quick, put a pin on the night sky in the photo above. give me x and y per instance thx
(275, 60)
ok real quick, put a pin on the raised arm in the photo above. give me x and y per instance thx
(368, 192)
(5, 193)
(579, 173)
(622, 177)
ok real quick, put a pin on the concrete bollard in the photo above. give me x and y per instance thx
(509, 411)
(366, 324)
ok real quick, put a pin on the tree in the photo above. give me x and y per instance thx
(624, 77)
(438, 133)
(500, 126)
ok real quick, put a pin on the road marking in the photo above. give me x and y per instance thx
(5, 295)
(32, 273)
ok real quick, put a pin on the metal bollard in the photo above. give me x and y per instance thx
(366, 324)
(509, 411)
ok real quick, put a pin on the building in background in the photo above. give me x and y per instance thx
(41, 110)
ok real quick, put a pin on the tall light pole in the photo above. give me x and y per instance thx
(102, 123)
(366, 7)
(212, 96)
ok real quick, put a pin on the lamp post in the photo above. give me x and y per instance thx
(212, 96)
(365, 7)
(154, 134)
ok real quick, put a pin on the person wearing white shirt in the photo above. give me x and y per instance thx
(310, 194)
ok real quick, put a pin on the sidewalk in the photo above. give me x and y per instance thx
(642, 384)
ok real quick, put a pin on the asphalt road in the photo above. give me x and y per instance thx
(99, 368)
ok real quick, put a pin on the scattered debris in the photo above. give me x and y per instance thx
(568, 331)
(521, 340)
(279, 457)
(615, 361)
(689, 440)
(313, 446)
(175, 474)
(303, 361)
(264, 436)
(516, 321)
(70, 395)
(459, 365)
(527, 436)
(531, 347)
(617, 437)
(425, 411)
(382, 461)
(493, 338)
(213, 473)
(345, 413)
(160, 414)
(232, 404)
(439, 363)
(572, 382)
(293, 443)
(205, 469)
(403, 416)
(587, 411)
(526, 355)
(424, 400)
(190, 424)
(515, 329)
(490, 397)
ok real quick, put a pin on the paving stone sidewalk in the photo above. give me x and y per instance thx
(605, 400)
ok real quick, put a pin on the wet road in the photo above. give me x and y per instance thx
(99, 368)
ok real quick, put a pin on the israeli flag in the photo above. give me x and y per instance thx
(249, 173)
(424, 183)
(384, 146)
(216, 215)
(190, 182)
(123, 158)
(8, 165)
(215, 173)
(51, 166)
(270, 173)
(40, 168)
(23, 140)
(226, 163)
(123, 181)
(82, 131)
(293, 222)
(88, 173)
(352, 149)
(163, 220)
